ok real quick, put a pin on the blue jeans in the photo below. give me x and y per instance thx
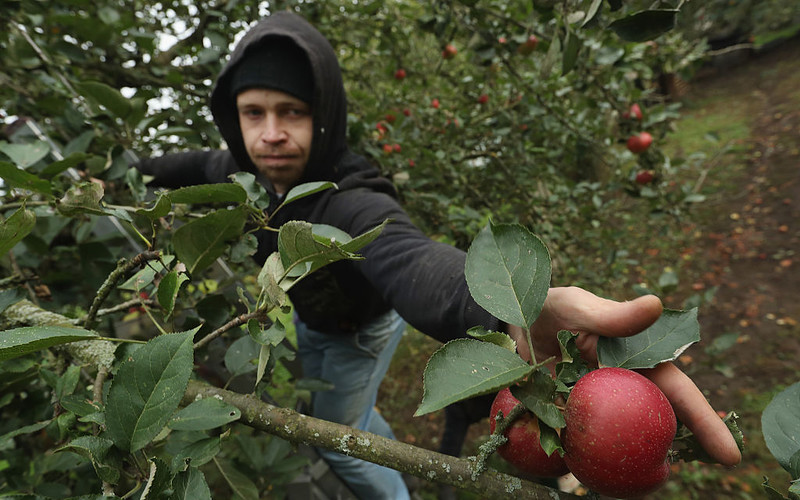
(356, 364)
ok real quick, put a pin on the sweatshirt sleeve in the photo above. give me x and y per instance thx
(420, 278)
(187, 169)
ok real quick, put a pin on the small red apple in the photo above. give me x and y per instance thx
(396, 148)
(639, 143)
(619, 430)
(645, 177)
(634, 112)
(407, 112)
(387, 148)
(400, 74)
(411, 163)
(528, 45)
(449, 51)
(483, 99)
(522, 450)
(435, 103)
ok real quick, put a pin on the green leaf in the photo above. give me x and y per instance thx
(304, 248)
(209, 193)
(18, 178)
(10, 297)
(240, 355)
(572, 366)
(237, 480)
(307, 189)
(645, 25)
(147, 388)
(592, 12)
(199, 242)
(168, 290)
(508, 273)
(160, 480)
(497, 338)
(14, 228)
(60, 166)
(464, 368)
(108, 97)
(572, 46)
(273, 335)
(537, 396)
(25, 155)
(27, 429)
(190, 485)
(551, 58)
(256, 193)
(198, 453)
(269, 278)
(82, 198)
(204, 414)
(21, 341)
(780, 424)
(549, 439)
(95, 449)
(161, 208)
(664, 340)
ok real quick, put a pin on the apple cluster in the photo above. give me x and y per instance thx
(616, 441)
(639, 143)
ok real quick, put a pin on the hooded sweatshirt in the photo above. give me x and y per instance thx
(403, 269)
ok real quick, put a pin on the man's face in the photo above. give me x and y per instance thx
(277, 129)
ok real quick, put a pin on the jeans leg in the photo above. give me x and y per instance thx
(356, 365)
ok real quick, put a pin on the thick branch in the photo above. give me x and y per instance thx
(429, 465)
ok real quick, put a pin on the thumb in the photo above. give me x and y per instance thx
(583, 311)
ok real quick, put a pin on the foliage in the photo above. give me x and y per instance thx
(85, 87)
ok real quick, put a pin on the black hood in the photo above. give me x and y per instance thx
(329, 102)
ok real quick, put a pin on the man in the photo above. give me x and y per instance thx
(281, 107)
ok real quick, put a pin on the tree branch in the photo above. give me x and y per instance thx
(123, 268)
(429, 465)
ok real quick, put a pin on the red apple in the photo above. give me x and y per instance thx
(640, 142)
(483, 99)
(435, 103)
(619, 430)
(396, 148)
(449, 51)
(528, 45)
(387, 148)
(523, 450)
(400, 74)
(634, 112)
(644, 177)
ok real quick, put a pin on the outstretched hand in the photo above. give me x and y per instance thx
(590, 316)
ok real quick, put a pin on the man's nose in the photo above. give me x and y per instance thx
(273, 130)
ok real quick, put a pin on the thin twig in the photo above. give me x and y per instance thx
(259, 314)
(123, 268)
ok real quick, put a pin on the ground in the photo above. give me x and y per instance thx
(744, 259)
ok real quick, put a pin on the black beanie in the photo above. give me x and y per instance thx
(278, 64)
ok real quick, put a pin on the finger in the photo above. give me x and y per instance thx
(579, 310)
(692, 408)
